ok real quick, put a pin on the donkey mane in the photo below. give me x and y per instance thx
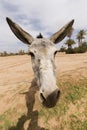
(39, 36)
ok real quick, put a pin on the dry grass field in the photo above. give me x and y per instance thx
(20, 108)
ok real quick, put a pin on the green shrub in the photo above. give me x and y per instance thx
(69, 51)
(80, 49)
(62, 49)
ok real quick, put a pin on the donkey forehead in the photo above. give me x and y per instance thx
(42, 46)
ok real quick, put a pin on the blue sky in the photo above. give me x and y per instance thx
(34, 16)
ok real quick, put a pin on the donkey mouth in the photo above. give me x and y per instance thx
(42, 98)
(51, 100)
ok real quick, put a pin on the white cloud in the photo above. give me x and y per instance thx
(40, 16)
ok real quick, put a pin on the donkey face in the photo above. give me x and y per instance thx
(42, 52)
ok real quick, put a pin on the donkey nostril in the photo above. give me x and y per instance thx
(58, 94)
(42, 97)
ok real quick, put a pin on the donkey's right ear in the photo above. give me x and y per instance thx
(19, 32)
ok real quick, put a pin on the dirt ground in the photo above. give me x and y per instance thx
(16, 73)
(18, 69)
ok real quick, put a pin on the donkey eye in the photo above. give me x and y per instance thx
(31, 54)
(55, 53)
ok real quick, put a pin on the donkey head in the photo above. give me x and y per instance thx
(42, 52)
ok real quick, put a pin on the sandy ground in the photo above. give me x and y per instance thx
(17, 70)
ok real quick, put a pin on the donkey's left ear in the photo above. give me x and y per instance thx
(60, 35)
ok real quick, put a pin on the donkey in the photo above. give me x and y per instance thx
(42, 52)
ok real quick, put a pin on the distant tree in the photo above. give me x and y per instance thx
(5, 53)
(1, 54)
(21, 52)
(69, 43)
(83, 48)
(11, 54)
(80, 36)
(62, 49)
